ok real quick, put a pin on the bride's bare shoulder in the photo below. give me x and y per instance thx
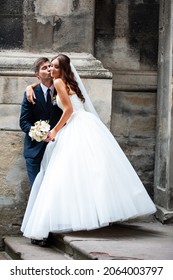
(59, 84)
(58, 81)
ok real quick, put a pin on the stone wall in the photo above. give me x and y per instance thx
(14, 187)
(127, 37)
(133, 120)
(65, 26)
(126, 41)
(133, 125)
(11, 24)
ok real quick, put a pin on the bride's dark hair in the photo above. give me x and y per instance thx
(67, 75)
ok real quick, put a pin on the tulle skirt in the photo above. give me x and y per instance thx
(85, 182)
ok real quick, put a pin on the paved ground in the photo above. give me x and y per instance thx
(141, 241)
(146, 241)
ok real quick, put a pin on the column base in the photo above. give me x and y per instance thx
(164, 215)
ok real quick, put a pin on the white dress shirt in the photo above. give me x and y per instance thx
(44, 89)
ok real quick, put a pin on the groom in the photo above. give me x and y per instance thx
(42, 109)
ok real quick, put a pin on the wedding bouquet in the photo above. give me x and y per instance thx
(39, 131)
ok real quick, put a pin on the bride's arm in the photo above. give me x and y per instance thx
(67, 108)
(30, 95)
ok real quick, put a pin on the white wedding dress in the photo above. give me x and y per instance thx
(85, 181)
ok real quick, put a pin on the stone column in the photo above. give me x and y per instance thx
(164, 141)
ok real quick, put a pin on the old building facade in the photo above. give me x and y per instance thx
(123, 51)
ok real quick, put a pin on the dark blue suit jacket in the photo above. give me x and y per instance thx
(30, 113)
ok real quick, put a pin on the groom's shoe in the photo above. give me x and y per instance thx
(43, 243)
(35, 241)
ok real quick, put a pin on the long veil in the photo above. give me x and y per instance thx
(87, 104)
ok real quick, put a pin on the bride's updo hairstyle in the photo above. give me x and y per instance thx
(67, 75)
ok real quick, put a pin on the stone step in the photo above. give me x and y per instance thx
(20, 248)
(4, 256)
(66, 243)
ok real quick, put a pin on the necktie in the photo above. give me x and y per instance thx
(49, 100)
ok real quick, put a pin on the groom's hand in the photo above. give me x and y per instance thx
(30, 95)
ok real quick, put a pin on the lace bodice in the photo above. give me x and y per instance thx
(76, 102)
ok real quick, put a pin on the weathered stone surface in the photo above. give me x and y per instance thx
(11, 24)
(135, 80)
(164, 131)
(99, 91)
(9, 117)
(14, 184)
(13, 87)
(12, 168)
(65, 26)
(133, 124)
(128, 34)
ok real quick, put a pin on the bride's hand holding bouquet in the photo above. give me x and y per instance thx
(51, 135)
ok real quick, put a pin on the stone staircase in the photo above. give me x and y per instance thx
(20, 248)
(4, 256)
(126, 241)
(61, 248)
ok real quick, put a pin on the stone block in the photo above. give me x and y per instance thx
(100, 92)
(12, 169)
(135, 80)
(12, 88)
(9, 32)
(143, 127)
(9, 116)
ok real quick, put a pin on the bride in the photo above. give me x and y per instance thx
(85, 181)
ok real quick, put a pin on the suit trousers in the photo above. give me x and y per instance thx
(33, 165)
